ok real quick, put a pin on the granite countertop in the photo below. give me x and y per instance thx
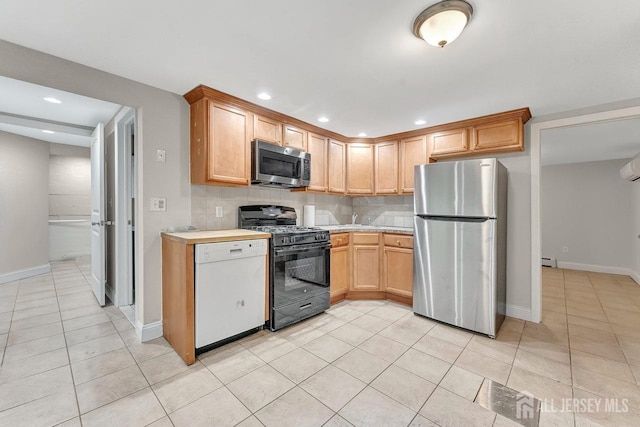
(214, 236)
(371, 228)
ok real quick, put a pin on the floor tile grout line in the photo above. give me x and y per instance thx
(75, 392)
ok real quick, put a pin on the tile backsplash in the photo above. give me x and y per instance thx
(330, 209)
(396, 211)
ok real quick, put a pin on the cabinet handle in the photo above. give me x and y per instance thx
(398, 242)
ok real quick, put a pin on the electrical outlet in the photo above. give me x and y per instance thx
(239, 304)
(161, 156)
(218, 211)
(158, 204)
(565, 249)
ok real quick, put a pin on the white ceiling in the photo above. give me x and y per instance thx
(587, 143)
(34, 114)
(355, 61)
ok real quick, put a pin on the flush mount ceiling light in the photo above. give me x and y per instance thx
(323, 119)
(420, 122)
(52, 100)
(443, 22)
(264, 96)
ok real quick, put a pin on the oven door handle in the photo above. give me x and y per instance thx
(301, 248)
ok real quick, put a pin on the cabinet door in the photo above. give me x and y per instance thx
(386, 168)
(340, 269)
(267, 129)
(366, 268)
(500, 136)
(337, 162)
(317, 147)
(398, 271)
(229, 145)
(413, 151)
(448, 142)
(360, 168)
(295, 138)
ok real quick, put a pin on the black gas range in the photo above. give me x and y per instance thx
(299, 266)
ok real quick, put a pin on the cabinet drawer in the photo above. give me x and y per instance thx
(338, 240)
(398, 240)
(365, 238)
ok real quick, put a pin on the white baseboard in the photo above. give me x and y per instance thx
(519, 312)
(635, 276)
(595, 268)
(149, 331)
(23, 274)
(108, 289)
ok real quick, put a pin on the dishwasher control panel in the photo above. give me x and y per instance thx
(212, 252)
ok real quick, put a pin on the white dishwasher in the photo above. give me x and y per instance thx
(229, 289)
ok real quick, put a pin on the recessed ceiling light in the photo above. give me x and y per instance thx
(52, 100)
(264, 96)
(420, 122)
(323, 119)
(362, 134)
(48, 131)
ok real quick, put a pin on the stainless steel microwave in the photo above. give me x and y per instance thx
(276, 166)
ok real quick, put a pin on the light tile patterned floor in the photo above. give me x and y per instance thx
(67, 361)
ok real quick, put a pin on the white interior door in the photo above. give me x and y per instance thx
(97, 214)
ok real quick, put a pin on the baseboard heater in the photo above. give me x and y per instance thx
(549, 262)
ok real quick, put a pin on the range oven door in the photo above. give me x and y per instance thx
(300, 283)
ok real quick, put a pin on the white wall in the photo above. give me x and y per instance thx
(24, 204)
(163, 123)
(586, 207)
(330, 210)
(69, 199)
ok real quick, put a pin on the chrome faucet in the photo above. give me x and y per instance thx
(354, 216)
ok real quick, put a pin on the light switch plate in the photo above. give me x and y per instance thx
(219, 212)
(158, 204)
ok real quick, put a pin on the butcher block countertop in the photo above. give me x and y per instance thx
(215, 236)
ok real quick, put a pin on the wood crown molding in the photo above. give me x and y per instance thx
(203, 91)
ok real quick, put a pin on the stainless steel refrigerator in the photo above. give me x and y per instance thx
(460, 239)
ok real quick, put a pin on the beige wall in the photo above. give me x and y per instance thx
(24, 203)
(163, 123)
(586, 207)
(635, 230)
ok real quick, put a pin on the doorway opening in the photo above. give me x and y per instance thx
(537, 130)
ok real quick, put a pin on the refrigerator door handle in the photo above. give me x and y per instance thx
(455, 218)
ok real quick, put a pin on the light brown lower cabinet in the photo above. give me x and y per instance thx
(340, 274)
(398, 271)
(372, 266)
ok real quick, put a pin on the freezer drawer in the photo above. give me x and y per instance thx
(466, 188)
(456, 272)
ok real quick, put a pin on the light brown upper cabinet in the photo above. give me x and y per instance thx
(386, 167)
(220, 144)
(413, 151)
(295, 138)
(360, 168)
(317, 147)
(337, 163)
(499, 136)
(449, 142)
(267, 129)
